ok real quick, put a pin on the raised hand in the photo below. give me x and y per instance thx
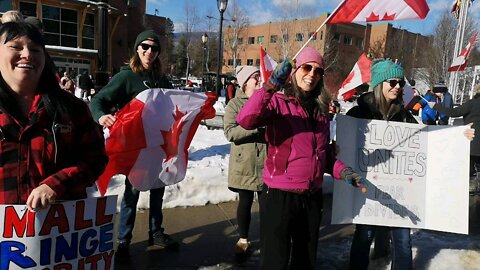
(281, 74)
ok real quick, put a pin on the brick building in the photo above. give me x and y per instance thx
(281, 39)
(73, 35)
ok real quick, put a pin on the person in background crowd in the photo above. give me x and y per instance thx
(299, 153)
(247, 154)
(85, 84)
(66, 151)
(384, 103)
(143, 72)
(470, 111)
(439, 94)
(12, 16)
(64, 78)
(446, 102)
(231, 89)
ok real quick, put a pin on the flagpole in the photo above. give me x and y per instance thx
(318, 29)
(453, 82)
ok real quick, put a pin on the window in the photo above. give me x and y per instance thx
(6, 6)
(61, 26)
(240, 41)
(336, 37)
(359, 42)
(260, 39)
(257, 62)
(285, 37)
(273, 38)
(251, 40)
(299, 37)
(312, 34)
(348, 40)
(230, 62)
(27, 9)
(239, 62)
(88, 37)
(321, 35)
(249, 62)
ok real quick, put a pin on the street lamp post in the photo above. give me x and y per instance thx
(222, 6)
(204, 62)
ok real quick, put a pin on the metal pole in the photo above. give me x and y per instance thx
(101, 75)
(218, 84)
(203, 67)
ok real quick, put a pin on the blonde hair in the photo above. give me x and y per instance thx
(387, 109)
(12, 16)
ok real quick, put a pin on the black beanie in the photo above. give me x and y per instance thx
(148, 34)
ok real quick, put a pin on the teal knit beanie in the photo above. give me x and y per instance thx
(384, 70)
(148, 34)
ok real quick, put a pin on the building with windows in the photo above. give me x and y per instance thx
(340, 44)
(73, 30)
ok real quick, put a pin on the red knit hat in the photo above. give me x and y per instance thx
(308, 54)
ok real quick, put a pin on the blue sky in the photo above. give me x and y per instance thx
(262, 11)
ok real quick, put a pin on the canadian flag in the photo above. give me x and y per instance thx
(460, 62)
(149, 140)
(359, 75)
(379, 10)
(267, 65)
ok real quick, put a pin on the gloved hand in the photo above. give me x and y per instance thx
(281, 74)
(354, 179)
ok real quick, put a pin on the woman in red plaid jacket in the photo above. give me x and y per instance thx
(50, 147)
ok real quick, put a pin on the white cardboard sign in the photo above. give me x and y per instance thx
(418, 175)
(64, 236)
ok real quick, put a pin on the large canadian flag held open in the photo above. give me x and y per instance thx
(379, 10)
(149, 141)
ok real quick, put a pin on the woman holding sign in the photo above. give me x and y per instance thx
(51, 149)
(384, 103)
(298, 154)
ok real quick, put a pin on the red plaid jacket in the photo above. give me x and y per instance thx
(58, 145)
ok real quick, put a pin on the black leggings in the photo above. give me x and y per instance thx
(244, 209)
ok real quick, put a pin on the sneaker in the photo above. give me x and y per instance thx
(241, 247)
(122, 255)
(163, 240)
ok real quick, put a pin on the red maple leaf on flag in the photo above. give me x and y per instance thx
(171, 137)
(349, 78)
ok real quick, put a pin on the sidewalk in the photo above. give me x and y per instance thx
(207, 236)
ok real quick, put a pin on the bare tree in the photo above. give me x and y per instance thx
(236, 26)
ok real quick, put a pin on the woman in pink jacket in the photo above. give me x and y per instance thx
(299, 153)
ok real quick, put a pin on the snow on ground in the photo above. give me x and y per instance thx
(206, 182)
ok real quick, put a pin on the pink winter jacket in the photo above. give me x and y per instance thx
(299, 152)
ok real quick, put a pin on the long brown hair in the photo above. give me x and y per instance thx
(136, 64)
(387, 109)
(314, 102)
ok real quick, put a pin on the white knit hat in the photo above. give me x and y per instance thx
(244, 72)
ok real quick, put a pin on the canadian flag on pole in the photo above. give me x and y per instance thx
(149, 141)
(359, 75)
(379, 10)
(267, 65)
(460, 62)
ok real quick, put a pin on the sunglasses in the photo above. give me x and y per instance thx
(393, 83)
(145, 47)
(255, 76)
(316, 71)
